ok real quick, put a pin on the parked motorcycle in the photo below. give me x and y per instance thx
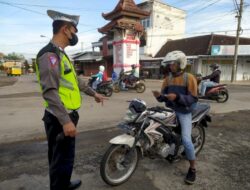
(105, 87)
(124, 82)
(218, 93)
(149, 132)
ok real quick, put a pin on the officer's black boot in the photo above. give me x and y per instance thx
(75, 184)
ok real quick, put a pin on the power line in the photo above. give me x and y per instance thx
(29, 10)
(192, 13)
(208, 32)
(88, 30)
(28, 43)
(236, 6)
(206, 6)
(58, 7)
(217, 18)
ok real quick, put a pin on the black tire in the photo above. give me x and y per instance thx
(222, 96)
(108, 91)
(198, 138)
(140, 87)
(106, 160)
(116, 87)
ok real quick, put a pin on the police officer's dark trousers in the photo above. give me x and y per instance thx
(61, 153)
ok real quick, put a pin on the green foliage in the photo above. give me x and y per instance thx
(14, 57)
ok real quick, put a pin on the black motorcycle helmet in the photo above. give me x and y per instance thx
(214, 66)
(137, 106)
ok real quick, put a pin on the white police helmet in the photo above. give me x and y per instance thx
(55, 15)
(101, 68)
(175, 56)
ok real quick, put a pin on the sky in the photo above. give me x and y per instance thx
(25, 27)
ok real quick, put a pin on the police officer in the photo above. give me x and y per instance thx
(61, 92)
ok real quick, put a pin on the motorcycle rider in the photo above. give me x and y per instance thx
(99, 77)
(132, 74)
(179, 92)
(214, 79)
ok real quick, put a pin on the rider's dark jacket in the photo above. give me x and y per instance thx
(215, 76)
(185, 87)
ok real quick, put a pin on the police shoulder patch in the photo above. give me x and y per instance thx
(53, 60)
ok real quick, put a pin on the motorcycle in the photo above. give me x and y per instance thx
(218, 93)
(105, 87)
(124, 82)
(152, 132)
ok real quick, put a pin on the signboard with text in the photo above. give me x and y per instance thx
(229, 50)
(126, 53)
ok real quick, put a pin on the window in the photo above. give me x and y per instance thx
(146, 23)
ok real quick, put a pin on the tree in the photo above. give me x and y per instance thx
(1, 55)
(1, 58)
(14, 57)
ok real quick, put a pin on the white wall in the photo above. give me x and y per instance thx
(166, 23)
(243, 70)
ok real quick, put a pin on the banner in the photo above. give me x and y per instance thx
(229, 50)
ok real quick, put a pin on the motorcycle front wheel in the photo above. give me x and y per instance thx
(140, 87)
(118, 164)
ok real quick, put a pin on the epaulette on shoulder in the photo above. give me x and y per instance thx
(48, 48)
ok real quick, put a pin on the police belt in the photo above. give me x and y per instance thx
(68, 111)
(71, 111)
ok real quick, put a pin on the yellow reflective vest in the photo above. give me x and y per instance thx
(69, 92)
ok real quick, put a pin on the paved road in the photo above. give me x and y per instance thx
(223, 163)
(22, 108)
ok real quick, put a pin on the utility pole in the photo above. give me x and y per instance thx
(234, 69)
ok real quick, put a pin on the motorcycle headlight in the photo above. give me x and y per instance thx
(129, 116)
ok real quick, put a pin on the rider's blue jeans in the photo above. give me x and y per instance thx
(185, 120)
(94, 85)
(205, 84)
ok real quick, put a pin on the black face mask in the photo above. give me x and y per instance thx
(73, 41)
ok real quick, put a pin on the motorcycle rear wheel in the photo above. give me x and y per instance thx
(222, 96)
(140, 87)
(108, 92)
(116, 88)
(198, 138)
(118, 164)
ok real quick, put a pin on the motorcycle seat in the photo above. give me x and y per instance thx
(106, 82)
(199, 109)
(219, 85)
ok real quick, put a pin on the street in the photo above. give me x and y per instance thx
(222, 164)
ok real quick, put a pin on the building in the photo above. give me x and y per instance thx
(203, 50)
(164, 23)
(125, 29)
(89, 62)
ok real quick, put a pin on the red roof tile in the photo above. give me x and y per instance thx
(126, 8)
(122, 23)
(199, 45)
